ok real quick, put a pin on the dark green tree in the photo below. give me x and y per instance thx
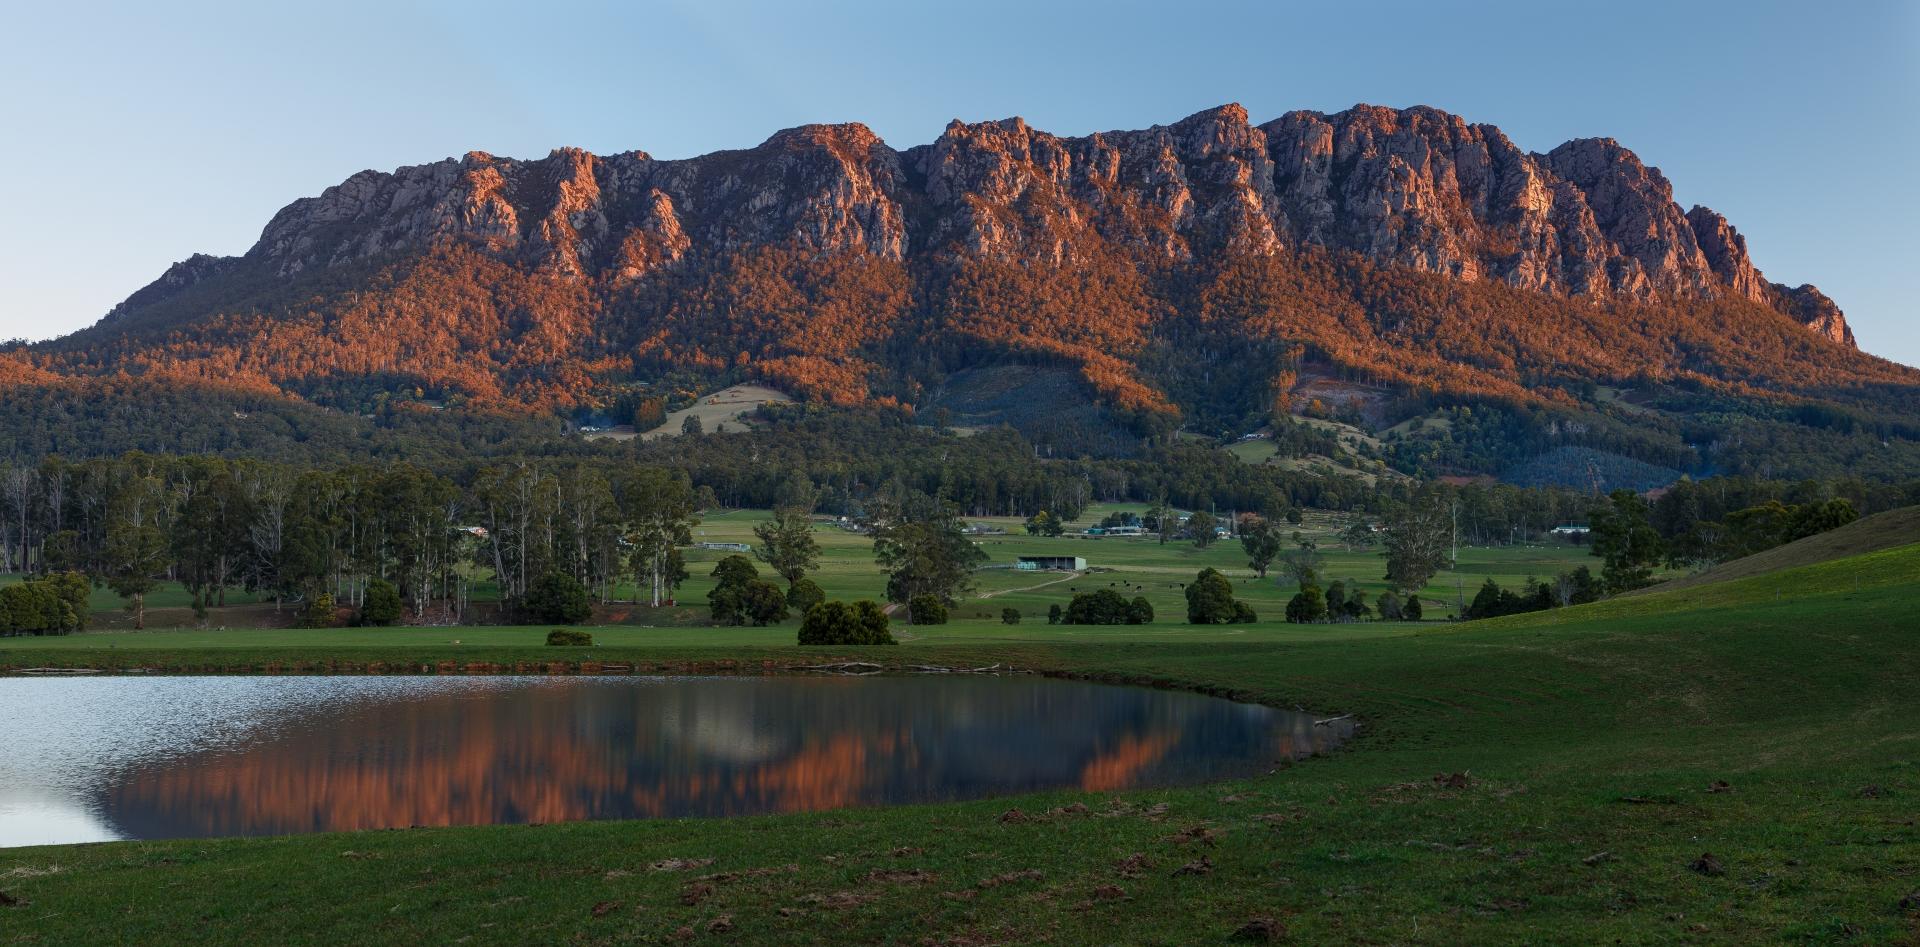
(1625, 541)
(1261, 541)
(841, 623)
(381, 603)
(787, 544)
(557, 598)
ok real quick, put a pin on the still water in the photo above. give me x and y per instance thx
(90, 759)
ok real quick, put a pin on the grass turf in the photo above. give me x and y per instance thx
(1591, 739)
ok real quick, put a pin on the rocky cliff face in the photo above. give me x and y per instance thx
(1415, 188)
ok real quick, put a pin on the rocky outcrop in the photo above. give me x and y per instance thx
(1415, 187)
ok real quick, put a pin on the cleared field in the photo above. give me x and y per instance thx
(720, 411)
(1731, 764)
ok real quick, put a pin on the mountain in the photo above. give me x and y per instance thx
(1199, 274)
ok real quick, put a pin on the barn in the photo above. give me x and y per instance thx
(1057, 563)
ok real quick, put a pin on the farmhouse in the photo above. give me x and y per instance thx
(1060, 563)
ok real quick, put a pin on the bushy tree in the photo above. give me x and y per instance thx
(38, 606)
(319, 611)
(1099, 607)
(1389, 606)
(1139, 611)
(1337, 600)
(1410, 611)
(804, 594)
(728, 597)
(1625, 541)
(762, 603)
(923, 548)
(1009, 616)
(1055, 614)
(787, 544)
(841, 623)
(1201, 526)
(1044, 523)
(1210, 601)
(1307, 605)
(557, 598)
(927, 609)
(1418, 541)
(380, 604)
(1261, 541)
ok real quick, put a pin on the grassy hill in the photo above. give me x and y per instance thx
(1870, 534)
(1765, 721)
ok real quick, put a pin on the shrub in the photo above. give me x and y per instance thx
(841, 623)
(1307, 605)
(569, 638)
(37, 606)
(927, 609)
(1053, 614)
(763, 603)
(382, 603)
(804, 594)
(728, 599)
(557, 598)
(319, 612)
(1139, 611)
(1100, 607)
(1009, 616)
(1210, 601)
(1410, 609)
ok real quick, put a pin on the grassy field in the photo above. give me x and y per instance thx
(1134, 565)
(1769, 722)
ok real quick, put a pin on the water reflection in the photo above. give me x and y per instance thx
(95, 758)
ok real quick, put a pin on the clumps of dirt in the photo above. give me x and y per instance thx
(1156, 812)
(1199, 866)
(9, 901)
(906, 851)
(1452, 780)
(1235, 797)
(1133, 866)
(725, 876)
(1911, 903)
(605, 908)
(1194, 833)
(680, 864)
(1010, 877)
(1873, 792)
(1014, 817)
(361, 856)
(1719, 786)
(839, 900)
(1078, 808)
(692, 893)
(1597, 858)
(1259, 930)
(720, 925)
(1277, 819)
(1109, 893)
(1708, 864)
(904, 876)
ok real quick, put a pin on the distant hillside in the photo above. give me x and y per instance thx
(1887, 530)
(1374, 265)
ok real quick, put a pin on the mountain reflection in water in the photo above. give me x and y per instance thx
(174, 757)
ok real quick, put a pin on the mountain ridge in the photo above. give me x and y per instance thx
(1587, 218)
(1204, 275)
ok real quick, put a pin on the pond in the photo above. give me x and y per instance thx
(92, 759)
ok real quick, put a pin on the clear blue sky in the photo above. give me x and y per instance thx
(137, 134)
